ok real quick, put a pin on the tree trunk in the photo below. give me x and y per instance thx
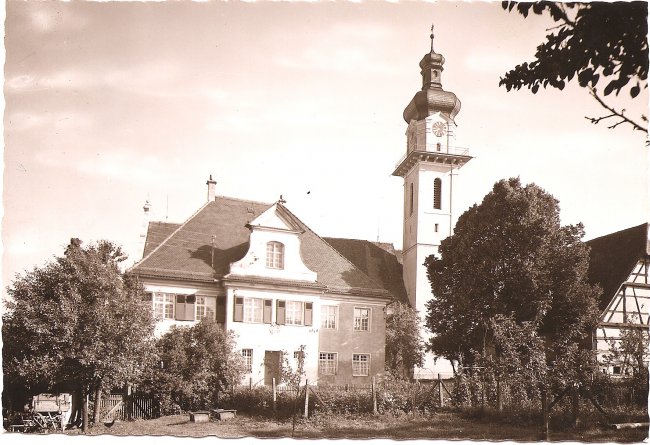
(84, 410)
(97, 409)
(499, 396)
(75, 415)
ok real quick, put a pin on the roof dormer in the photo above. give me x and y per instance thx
(274, 248)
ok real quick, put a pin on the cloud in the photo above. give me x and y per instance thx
(57, 80)
(124, 165)
(346, 48)
(21, 121)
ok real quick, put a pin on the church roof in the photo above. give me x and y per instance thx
(380, 261)
(613, 257)
(186, 252)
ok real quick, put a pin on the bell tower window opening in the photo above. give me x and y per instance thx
(437, 194)
(275, 255)
(411, 201)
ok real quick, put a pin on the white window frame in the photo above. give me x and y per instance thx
(329, 320)
(360, 365)
(331, 364)
(274, 255)
(294, 313)
(247, 353)
(358, 324)
(253, 307)
(163, 304)
(205, 307)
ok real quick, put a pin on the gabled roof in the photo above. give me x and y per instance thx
(613, 257)
(187, 252)
(156, 234)
(380, 261)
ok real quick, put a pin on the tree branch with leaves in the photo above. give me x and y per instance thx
(595, 42)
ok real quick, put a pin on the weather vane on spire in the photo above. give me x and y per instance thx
(431, 37)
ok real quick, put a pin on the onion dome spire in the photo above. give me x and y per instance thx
(432, 98)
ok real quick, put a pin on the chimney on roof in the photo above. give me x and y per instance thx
(211, 188)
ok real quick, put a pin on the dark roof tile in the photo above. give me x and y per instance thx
(613, 257)
(380, 261)
(156, 234)
(187, 251)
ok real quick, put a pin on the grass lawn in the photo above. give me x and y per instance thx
(442, 425)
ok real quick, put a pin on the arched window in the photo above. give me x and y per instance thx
(411, 201)
(275, 255)
(437, 194)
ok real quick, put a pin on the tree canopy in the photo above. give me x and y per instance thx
(76, 324)
(404, 344)
(509, 259)
(196, 364)
(598, 43)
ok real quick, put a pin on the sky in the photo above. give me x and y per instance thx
(111, 104)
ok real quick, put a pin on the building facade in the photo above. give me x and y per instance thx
(620, 265)
(257, 270)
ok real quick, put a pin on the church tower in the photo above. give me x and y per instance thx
(428, 168)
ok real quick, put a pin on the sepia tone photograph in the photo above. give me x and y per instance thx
(417, 220)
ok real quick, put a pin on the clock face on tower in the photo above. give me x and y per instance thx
(438, 129)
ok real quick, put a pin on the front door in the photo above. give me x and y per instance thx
(272, 366)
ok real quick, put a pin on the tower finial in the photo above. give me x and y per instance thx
(431, 37)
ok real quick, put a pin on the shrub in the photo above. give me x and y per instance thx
(197, 364)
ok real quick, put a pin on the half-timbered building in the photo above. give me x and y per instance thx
(620, 263)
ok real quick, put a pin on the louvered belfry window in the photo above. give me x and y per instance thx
(437, 194)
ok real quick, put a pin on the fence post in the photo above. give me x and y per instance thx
(374, 397)
(274, 395)
(250, 383)
(575, 404)
(482, 392)
(544, 414)
(442, 399)
(306, 414)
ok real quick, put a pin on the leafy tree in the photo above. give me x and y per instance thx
(632, 351)
(196, 364)
(77, 324)
(510, 261)
(595, 42)
(404, 344)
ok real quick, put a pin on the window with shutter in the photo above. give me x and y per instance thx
(205, 308)
(268, 306)
(253, 310)
(163, 305)
(239, 309)
(293, 314)
(221, 309)
(280, 312)
(185, 307)
(309, 314)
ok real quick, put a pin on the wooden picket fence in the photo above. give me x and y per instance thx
(128, 407)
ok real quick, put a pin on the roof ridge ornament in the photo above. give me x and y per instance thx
(431, 36)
